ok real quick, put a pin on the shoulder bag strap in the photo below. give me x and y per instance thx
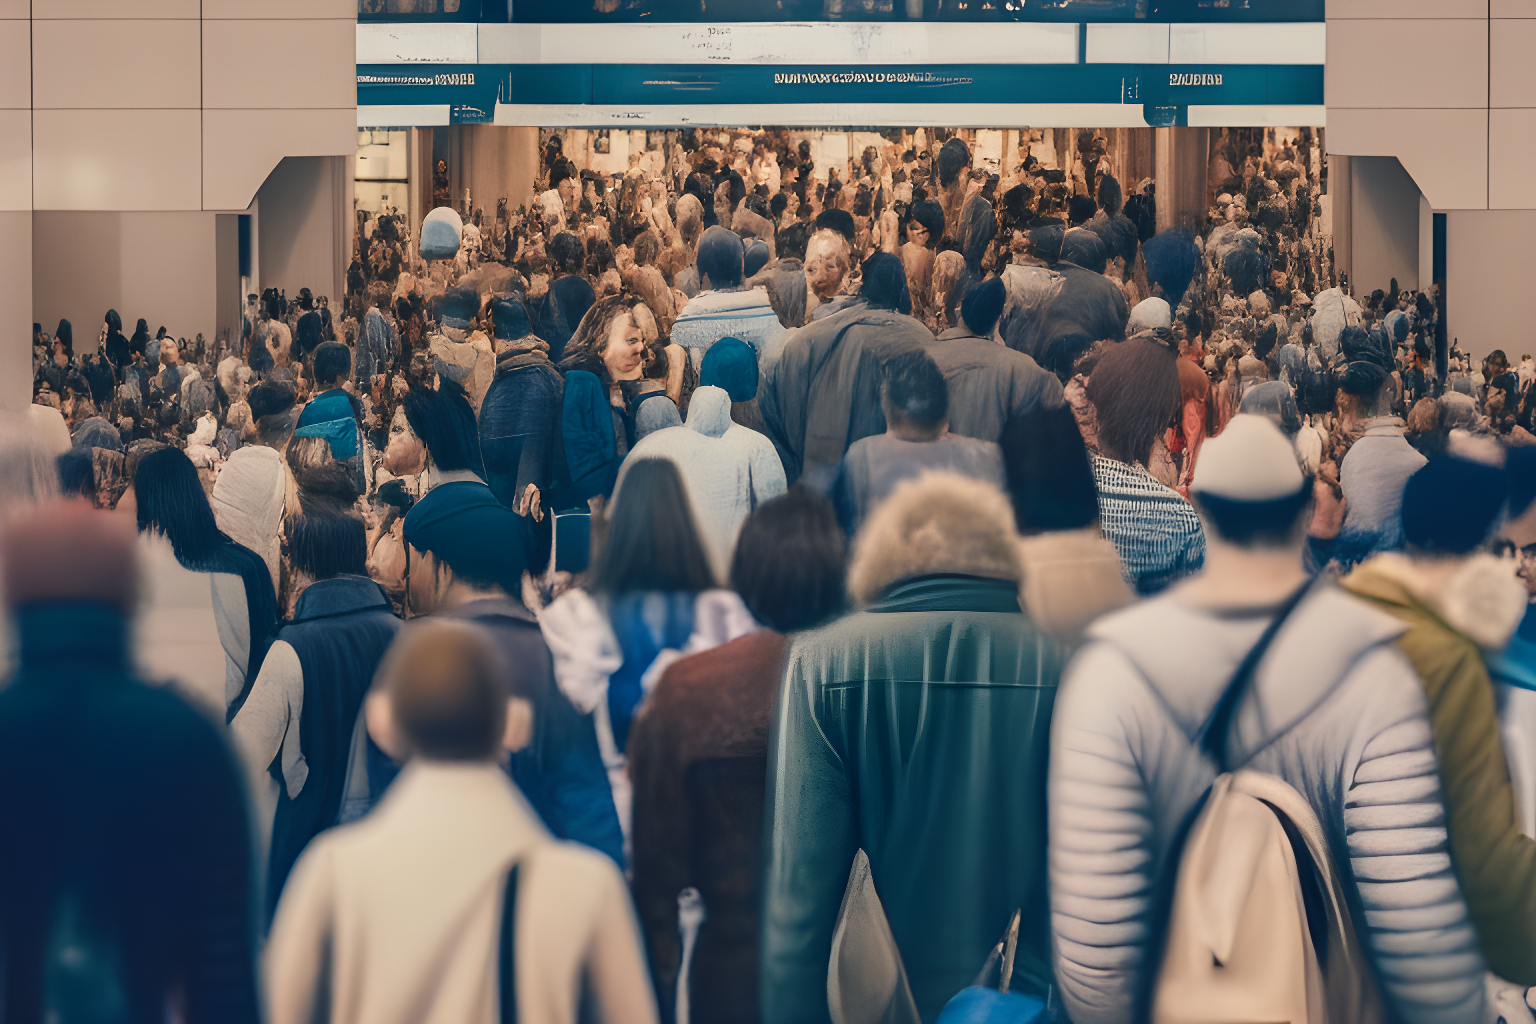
(507, 973)
(1212, 737)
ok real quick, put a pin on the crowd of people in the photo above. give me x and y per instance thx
(733, 592)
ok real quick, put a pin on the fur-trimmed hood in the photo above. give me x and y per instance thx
(1483, 600)
(939, 522)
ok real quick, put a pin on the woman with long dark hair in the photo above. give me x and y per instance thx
(649, 595)
(596, 417)
(211, 610)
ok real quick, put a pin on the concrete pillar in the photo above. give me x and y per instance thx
(16, 310)
(1181, 158)
(1341, 211)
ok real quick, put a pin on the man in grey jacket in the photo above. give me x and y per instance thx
(1334, 709)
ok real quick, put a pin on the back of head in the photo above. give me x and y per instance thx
(720, 257)
(63, 550)
(324, 543)
(1080, 210)
(789, 562)
(446, 683)
(567, 252)
(884, 283)
(1085, 249)
(755, 258)
(170, 501)
(1149, 315)
(510, 320)
(1050, 478)
(333, 361)
(690, 217)
(938, 523)
(652, 542)
(1451, 506)
(1171, 258)
(840, 221)
(978, 226)
(1251, 490)
(1274, 400)
(954, 158)
(931, 216)
(27, 473)
(914, 388)
(1110, 197)
(445, 422)
(269, 398)
(790, 243)
(983, 305)
(1134, 389)
(1367, 382)
(730, 364)
(1046, 242)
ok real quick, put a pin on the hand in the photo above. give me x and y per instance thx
(529, 504)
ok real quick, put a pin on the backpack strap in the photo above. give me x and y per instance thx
(507, 971)
(1212, 737)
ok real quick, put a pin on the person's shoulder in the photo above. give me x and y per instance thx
(707, 670)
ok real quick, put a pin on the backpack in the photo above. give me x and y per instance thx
(1256, 927)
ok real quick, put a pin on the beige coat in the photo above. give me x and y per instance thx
(396, 918)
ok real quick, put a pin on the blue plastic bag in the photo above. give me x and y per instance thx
(977, 1005)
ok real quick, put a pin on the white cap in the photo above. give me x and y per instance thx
(1251, 460)
(1148, 314)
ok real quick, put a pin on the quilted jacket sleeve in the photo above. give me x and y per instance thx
(1101, 841)
(1416, 922)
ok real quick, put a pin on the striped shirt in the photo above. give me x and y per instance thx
(1156, 532)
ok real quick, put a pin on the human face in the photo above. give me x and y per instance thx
(826, 264)
(405, 455)
(625, 351)
(917, 234)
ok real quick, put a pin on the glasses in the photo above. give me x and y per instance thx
(1507, 549)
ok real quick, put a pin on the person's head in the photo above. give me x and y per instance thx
(1248, 486)
(28, 446)
(169, 354)
(755, 257)
(731, 364)
(840, 221)
(1519, 528)
(938, 523)
(1496, 363)
(790, 243)
(567, 253)
(1423, 355)
(652, 542)
(323, 543)
(720, 258)
(1273, 399)
(333, 362)
(509, 318)
(1080, 210)
(444, 421)
(270, 398)
(883, 283)
(63, 550)
(926, 226)
(464, 544)
(1050, 478)
(1046, 240)
(609, 334)
(915, 397)
(789, 562)
(1172, 258)
(1083, 248)
(827, 262)
(440, 694)
(1451, 507)
(1363, 390)
(1149, 315)
(169, 499)
(1134, 389)
(983, 306)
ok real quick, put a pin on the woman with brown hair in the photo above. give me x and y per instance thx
(607, 349)
(1134, 389)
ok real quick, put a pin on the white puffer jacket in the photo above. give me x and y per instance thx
(1334, 709)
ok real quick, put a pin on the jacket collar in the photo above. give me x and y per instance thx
(949, 593)
(73, 636)
(1482, 601)
(495, 607)
(341, 595)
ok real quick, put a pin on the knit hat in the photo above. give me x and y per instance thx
(476, 536)
(1046, 241)
(1084, 249)
(731, 364)
(65, 550)
(1149, 314)
(1251, 460)
(1451, 505)
(440, 232)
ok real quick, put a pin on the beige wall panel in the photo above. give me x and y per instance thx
(21, 9)
(1511, 150)
(241, 10)
(1513, 8)
(1452, 173)
(117, 159)
(115, 9)
(302, 204)
(15, 310)
(158, 266)
(241, 147)
(1395, 9)
(15, 65)
(1384, 224)
(1511, 69)
(1481, 276)
(15, 160)
(116, 64)
(1368, 68)
(301, 64)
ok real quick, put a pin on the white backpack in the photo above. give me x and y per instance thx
(1256, 927)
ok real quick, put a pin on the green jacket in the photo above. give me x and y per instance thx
(916, 730)
(1494, 861)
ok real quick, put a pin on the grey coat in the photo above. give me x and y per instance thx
(1334, 709)
(989, 383)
